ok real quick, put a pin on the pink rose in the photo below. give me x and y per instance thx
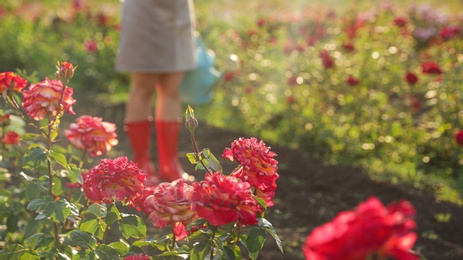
(92, 135)
(44, 98)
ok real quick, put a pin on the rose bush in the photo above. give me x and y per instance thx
(57, 209)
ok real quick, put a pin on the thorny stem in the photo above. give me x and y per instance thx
(198, 154)
(212, 249)
(173, 237)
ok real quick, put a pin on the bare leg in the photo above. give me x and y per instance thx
(168, 97)
(138, 107)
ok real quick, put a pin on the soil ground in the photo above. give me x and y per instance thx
(311, 193)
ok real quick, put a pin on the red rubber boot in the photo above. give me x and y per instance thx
(167, 134)
(139, 134)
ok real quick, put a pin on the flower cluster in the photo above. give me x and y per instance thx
(371, 230)
(92, 134)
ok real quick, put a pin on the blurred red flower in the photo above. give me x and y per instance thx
(10, 79)
(430, 67)
(170, 204)
(44, 98)
(11, 138)
(222, 199)
(90, 46)
(371, 229)
(459, 137)
(400, 21)
(92, 134)
(140, 256)
(411, 78)
(114, 180)
(446, 33)
(348, 46)
(327, 61)
(257, 166)
(352, 81)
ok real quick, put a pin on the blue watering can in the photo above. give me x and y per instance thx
(197, 84)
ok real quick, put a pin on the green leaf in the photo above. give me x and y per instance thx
(113, 215)
(82, 239)
(192, 158)
(255, 242)
(34, 190)
(201, 250)
(59, 158)
(58, 184)
(58, 210)
(34, 156)
(35, 204)
(121, 247)
(90, 225)
(132, 226)
(97, 210)
(232, 252)
(210, 160)
(74, 173)
(106, 252)
(34, 240)
(268, 226)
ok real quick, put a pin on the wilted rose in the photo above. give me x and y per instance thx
(44, 98)
(92, 134)
(371, 229)
(257, 166)
(169, 204)
(222, 199)
(114, 180)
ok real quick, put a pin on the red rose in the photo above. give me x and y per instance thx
(92, 134)
(170, 204)
(11, 138)
(114, 180)
(459, 137)
(370, 229)
(140, 256)
(352, 81)
(90, 46)
(257, 166)
(348, 47)
(411, 78)
(327, 61)
(43, 98)
(430, 67)
(446, 33)
(222, 199)
(400, 21)
(10, 79)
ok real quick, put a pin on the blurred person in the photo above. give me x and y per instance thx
(157, 48)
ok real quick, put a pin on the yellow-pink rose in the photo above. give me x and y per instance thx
(92, 134)
(44, 98)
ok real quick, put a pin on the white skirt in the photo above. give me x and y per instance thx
(156, 36)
